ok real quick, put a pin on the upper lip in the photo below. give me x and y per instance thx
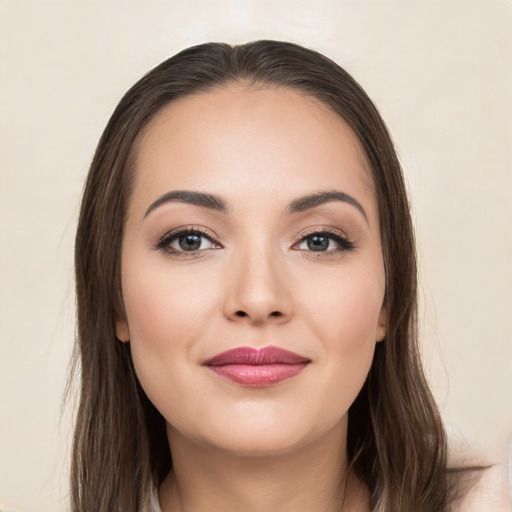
(256, 357)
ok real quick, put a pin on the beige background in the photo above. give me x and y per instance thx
(440, 72)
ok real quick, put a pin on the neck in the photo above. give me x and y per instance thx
(312, 477)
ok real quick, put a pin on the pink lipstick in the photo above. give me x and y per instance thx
(257, 367)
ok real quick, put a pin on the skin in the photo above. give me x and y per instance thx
(254, 282)
(487, 489)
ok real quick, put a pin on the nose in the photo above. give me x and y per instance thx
(257, 290)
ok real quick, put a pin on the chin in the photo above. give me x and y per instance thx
(257, 443)
(261, 435)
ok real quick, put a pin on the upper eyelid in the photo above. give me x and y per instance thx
(189, 229)
(328, 230)
(214, 237)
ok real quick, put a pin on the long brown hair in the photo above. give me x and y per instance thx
(396, 441)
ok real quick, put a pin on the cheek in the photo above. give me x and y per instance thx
(167, 312)
(345, 308)
(165, 308)
(345, 319)
(166, 315)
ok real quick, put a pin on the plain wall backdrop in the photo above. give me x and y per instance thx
(440, 73)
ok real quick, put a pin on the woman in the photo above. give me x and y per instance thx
(246, 292)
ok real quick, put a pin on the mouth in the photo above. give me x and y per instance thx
(257, 367)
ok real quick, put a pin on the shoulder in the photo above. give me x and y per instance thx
(488, 492)
(482, 477)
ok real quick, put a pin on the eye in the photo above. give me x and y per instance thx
(325, 241)
(187, 240)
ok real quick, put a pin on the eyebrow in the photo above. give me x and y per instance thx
(216, 203)
(313, 200)
(188, 196)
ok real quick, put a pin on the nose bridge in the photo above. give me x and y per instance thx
(257, 289)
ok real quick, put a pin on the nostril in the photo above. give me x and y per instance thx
(243, 313)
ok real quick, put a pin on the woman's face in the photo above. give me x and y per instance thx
(272, 241)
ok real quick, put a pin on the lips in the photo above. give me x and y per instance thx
(257, 367)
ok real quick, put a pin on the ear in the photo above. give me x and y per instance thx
(122, 330)
(382, 325)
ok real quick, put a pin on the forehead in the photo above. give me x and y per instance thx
(263, 139)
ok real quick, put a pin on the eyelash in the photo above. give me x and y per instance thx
(345, 244)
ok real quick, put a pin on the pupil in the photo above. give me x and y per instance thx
(190, 242)
(318, 243)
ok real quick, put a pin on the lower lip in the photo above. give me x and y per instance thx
(257, 376)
